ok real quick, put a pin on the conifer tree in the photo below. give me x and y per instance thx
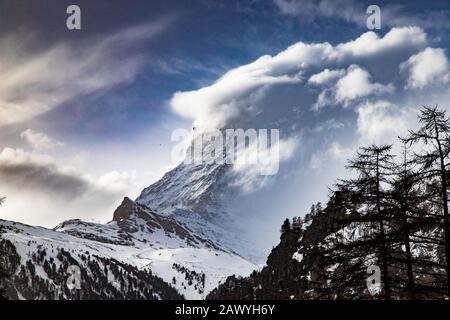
(406, 215)
(374, 167)
(433, 162)
(368, 197)
(286, 226)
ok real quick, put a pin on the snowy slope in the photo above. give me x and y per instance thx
(38, 263)
(162, 251)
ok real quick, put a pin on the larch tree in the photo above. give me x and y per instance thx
(433, 162)
(374, 167)
(362, 240)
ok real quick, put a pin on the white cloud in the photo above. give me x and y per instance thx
(370, 44)
(427, 67)
(238, 92)
(345, 86)
(334, 151)
(340, 153)
(40, 141)
(36, 82)
(382, 122)
(354, 11)
(234, 92)
(326, 97)
(247, 170)
(356, 84)
(115, 181)
(24, 170)
(310, 9)
(326, 76)
(330, 124)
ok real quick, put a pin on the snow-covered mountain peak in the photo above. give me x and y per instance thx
(193, 187)
(203, 195)
(136, 225)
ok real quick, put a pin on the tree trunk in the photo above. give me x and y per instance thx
(407, 242)
(445, 207)
(387, 290)
(408, 254)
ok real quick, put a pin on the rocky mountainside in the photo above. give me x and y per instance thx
(190, 187)
(307, 263)
(289, 266)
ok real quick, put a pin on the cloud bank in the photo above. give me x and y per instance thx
(42, 179)
(239, 92)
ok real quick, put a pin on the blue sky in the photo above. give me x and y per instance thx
(202, 40)
(87, 115)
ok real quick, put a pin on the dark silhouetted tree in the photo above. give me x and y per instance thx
(433, 162)
(363, 239)
(286, 226)
(374, 165)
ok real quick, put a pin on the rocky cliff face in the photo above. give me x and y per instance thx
(324, 256)
(136, 225)
(287, 271)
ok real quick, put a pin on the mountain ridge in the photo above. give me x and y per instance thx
(137, 238)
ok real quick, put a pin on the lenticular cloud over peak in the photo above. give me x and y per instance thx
(243, 93)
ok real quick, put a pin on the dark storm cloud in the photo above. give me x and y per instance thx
(22, 170)
(39, 177)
